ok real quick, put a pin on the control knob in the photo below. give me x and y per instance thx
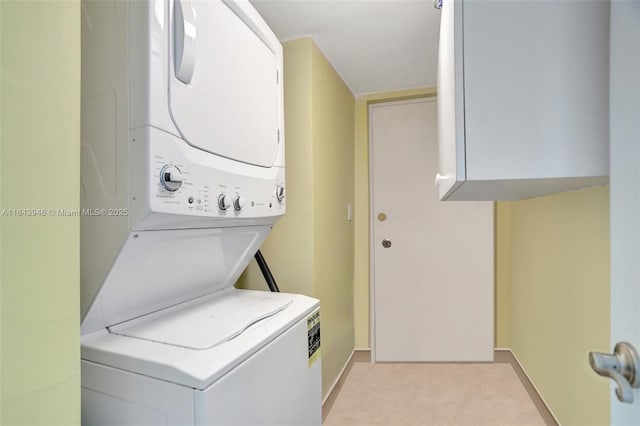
(280, 192)
(224, 202)
(238, 203)
(171, 178)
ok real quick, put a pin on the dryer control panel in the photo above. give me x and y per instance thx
(181, 182)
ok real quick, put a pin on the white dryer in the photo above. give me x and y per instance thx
(182, 179)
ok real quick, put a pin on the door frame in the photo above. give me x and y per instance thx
(372, 312)
(624, 184)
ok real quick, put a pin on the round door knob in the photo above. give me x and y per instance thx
(386, 243)
(238, 203)
(171, 178)
(280, 192)
(224, 202)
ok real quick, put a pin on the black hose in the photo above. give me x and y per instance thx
(271, 282)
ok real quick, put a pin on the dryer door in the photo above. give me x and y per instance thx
(224, 89)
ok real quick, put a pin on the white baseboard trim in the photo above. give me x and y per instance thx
(334, 390)
(501, 356)
(357, 355)
(362, 355)
(339, 378)
(506, 356)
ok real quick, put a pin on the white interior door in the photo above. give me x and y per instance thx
(433, 286)
(625, 190)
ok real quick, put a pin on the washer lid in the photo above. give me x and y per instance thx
(199, 369)
(225, 90)
(206, 325)
(159, 269)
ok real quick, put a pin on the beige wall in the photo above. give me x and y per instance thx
(310, 250)
(289, 248)
(332, 122)
(361, 204)
(559, 297)
(40, 169)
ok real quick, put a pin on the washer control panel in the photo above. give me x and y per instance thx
(171, 178)
(178, 179)
(183, 189)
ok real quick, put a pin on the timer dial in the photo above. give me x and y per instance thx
(239, 202)
(224, 202)
(171, 178)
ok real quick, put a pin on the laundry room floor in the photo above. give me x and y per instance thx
(432, 394)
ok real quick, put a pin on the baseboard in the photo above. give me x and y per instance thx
(361, 355)
(506, 356)
(501, 356)
(358, 355)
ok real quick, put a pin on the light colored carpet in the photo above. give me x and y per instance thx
(432, 394)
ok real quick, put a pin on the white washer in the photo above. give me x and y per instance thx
(182, 179)
(178, 368)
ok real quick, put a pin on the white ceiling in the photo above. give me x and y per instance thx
(375, 45)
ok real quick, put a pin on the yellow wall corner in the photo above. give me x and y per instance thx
(559, 292)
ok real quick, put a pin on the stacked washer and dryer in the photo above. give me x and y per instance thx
(182, 180)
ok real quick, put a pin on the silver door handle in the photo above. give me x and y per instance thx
(386, 243)
(185, 35)
(622, 367)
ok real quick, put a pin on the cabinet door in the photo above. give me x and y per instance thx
(450, 101)
(522, 96)
(536, 90)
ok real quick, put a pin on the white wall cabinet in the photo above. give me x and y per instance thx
(523, 91)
